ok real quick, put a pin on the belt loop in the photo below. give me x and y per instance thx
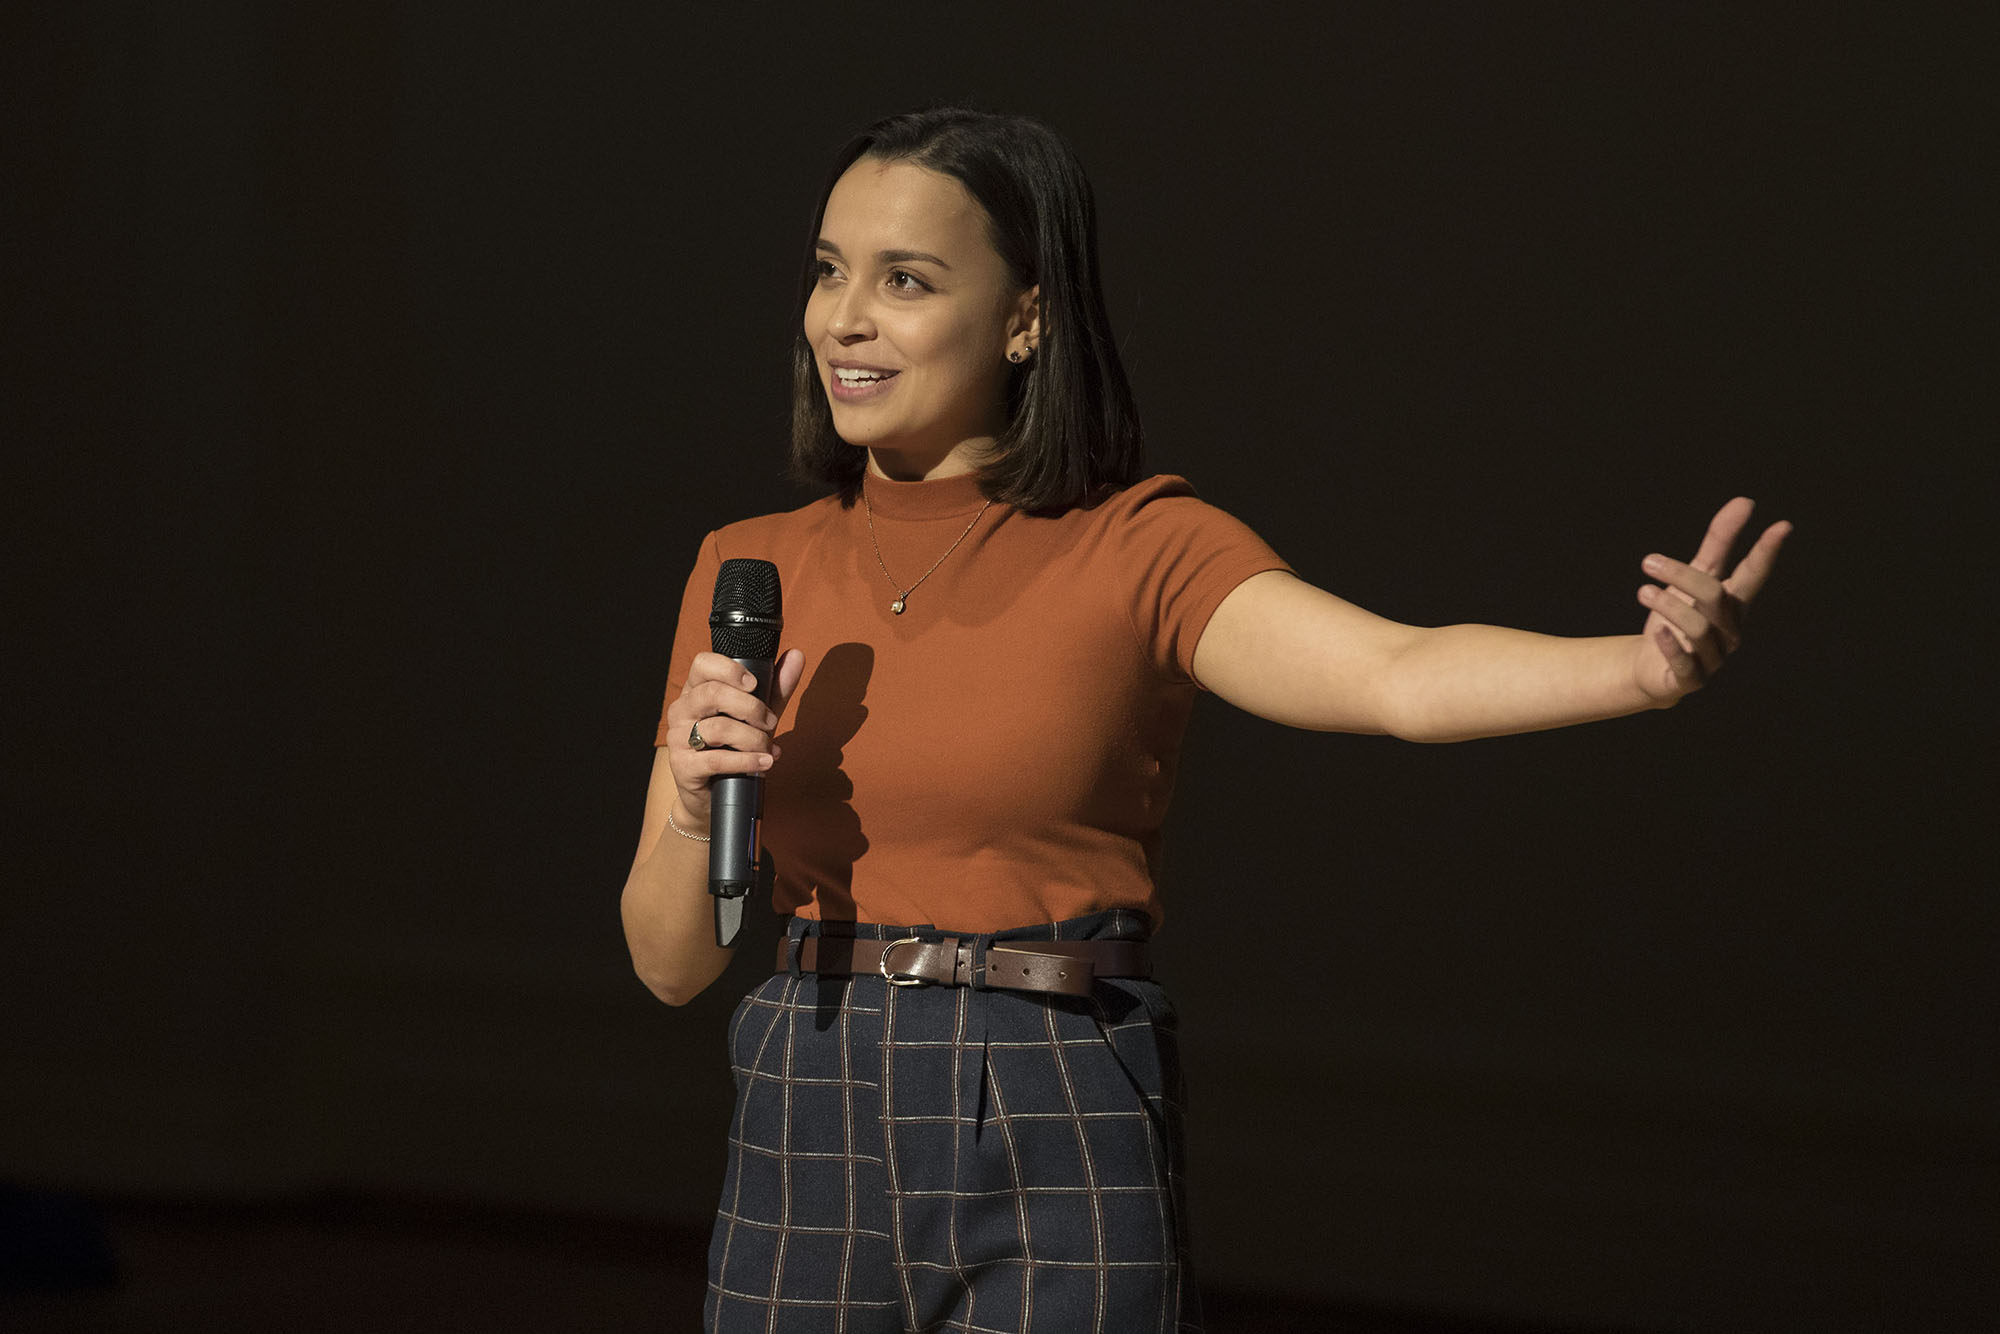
(795, 931)
(979, 943)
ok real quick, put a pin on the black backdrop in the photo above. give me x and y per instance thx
(372, 375)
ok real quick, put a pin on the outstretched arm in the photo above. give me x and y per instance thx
(1284, 650)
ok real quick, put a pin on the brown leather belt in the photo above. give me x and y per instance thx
(1066, 967)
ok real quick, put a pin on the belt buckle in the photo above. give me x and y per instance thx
(894, 977)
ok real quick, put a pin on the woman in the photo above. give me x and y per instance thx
(957, 1095)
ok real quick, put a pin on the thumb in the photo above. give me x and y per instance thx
(791, 666)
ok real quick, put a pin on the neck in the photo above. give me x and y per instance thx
(898, 465)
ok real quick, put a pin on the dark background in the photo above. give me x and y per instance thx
(373, 371)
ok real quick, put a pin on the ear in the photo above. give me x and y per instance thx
(1025, 329)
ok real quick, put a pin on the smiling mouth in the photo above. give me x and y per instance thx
(857, 379)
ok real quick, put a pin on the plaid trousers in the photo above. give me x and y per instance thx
(916, 1159)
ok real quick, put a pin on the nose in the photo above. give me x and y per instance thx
(850, 320)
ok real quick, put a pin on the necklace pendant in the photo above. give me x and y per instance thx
(903, 597)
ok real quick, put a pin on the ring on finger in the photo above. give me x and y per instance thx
(694, 738)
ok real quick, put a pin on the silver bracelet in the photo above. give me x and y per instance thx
(697, 838)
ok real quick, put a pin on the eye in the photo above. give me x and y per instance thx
(902, 280)
(824, 271)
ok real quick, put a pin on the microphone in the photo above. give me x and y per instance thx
(743, 625)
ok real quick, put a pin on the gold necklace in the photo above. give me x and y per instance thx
(903, 594)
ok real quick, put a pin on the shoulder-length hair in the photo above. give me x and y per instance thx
(1073, 428)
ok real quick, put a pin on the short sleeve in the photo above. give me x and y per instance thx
(1178, 557)
(691, 634)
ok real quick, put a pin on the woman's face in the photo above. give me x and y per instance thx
(912, 318)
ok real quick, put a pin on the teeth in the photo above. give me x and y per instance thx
(857, 377)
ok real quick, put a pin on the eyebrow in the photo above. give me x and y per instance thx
(886, 256)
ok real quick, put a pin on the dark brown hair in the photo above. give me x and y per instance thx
(1073, 428)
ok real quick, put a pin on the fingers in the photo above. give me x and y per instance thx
(1686, 671)
(711, 699)
(735, 726)
(791, 667)
(714, 667)
(695, 769)
(1701, 603)
(1723, 530)
(1755, 568)
(1697, 614)
(721, 732)
(1693, 631)
(717, 685)
(730, 746)
(1699, 585)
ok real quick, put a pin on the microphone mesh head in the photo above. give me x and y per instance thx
(748, 611)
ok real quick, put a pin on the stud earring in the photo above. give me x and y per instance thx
(1018, 356)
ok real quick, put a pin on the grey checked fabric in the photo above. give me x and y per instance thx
(915, 1159)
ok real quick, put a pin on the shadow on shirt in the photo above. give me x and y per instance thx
(817, 795)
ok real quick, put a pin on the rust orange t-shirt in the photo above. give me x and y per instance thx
(1002, 753)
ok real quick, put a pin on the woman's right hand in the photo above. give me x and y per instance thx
(735, 725)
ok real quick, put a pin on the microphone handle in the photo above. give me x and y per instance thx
(735, 805)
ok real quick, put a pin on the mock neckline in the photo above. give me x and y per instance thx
(938, 499)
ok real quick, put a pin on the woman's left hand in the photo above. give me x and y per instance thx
(1697, 612)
